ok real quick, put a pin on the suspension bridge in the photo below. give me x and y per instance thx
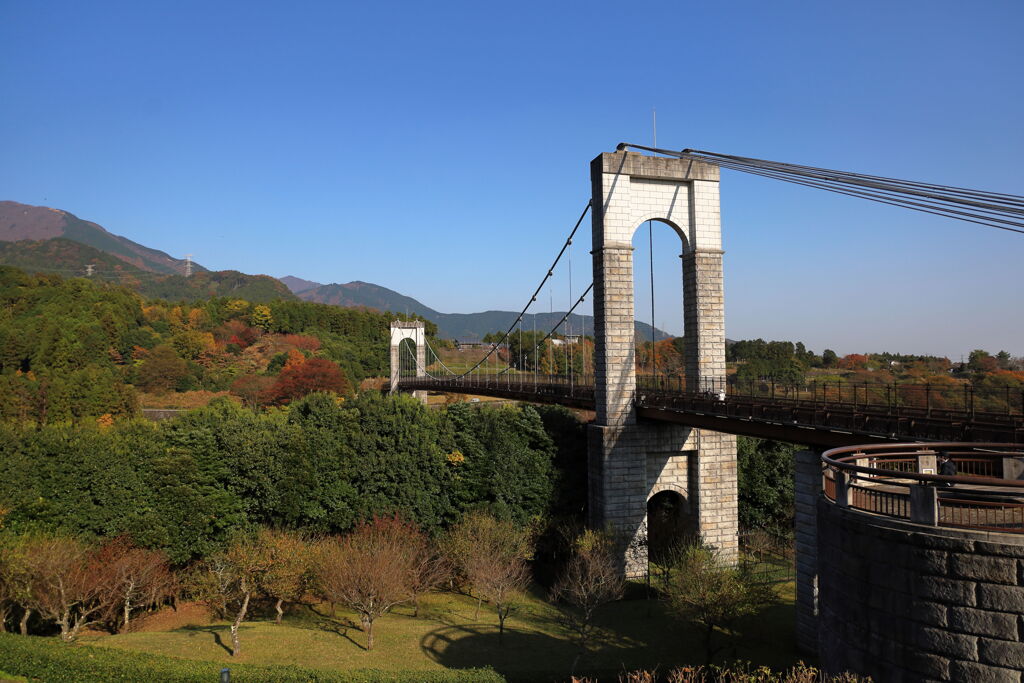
(676, 432)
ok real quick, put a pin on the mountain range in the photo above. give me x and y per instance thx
(23, 222)
(464, 326)
(44, 239)
(39, 239)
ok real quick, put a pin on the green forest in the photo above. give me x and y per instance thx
(73, 348)
(188, 485)
(288, 480)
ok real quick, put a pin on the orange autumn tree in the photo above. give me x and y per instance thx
(295, 359)
(301, 376)
(853, 361)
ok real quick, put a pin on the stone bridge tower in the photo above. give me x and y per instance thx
(631, 461)
(400, 331)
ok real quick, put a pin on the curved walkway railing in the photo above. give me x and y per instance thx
(902, 481)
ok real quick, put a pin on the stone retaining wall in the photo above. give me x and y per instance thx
(807, 489)
(905, 602)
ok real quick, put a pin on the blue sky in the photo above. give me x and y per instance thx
(441, 149)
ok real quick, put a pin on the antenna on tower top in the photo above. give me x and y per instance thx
(188, 265)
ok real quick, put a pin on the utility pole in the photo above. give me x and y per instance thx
(188, 265)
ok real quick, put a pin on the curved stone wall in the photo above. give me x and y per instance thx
(905, 602)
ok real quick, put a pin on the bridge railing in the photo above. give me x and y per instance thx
(872, 410)
(989, 403)
(524, 383)
(901, 481)
(932, 400)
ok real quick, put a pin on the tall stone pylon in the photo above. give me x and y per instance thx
(631, 461)
(400, 331)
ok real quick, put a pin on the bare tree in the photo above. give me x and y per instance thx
(288, 568)
(713, 594)
(135, 577)
(228, 581)
(591, 578)
(430, 568)
(371, 570)
(66, 582)
(492, 556)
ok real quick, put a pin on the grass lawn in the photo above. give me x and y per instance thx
(635, 634)
(8, 678)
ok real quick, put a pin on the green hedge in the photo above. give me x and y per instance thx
(52, 661)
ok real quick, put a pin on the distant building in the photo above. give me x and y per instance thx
(566, 339)
(468, 345)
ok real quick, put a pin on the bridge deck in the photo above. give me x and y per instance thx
(817, 423)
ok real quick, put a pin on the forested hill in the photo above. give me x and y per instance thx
(76, 348)
(297, 284)
(40, 239)
(463, 326)
(25, 222)
(65, 257)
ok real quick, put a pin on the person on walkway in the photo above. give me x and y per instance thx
(947, 468)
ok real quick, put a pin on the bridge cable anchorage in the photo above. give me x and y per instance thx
(991, 209)
(533, 298)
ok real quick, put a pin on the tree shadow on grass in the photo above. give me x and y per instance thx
(524, 655)
(214, 631)
(470, 646)
(769, 637)
(329, 622)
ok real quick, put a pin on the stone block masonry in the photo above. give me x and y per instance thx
(630, 462)
(628, 465)
(905, 602)
(414, 331)
(807, 490)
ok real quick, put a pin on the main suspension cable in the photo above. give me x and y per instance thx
(559, 323)
(547, 276)
(991, 209)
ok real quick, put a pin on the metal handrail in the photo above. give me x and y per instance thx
(981, 503)
(832, 459)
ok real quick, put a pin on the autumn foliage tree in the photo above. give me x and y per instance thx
(491, 555)
(162, 369)
(261, 317)
(66, 582)
(134, 578)
(300, 378)
(370, 570)
(429, 569)
(853, 361)
(302, 341)
(591, 578)
(288, 565)
(254, 390)
(229, 581)
(236, 332)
